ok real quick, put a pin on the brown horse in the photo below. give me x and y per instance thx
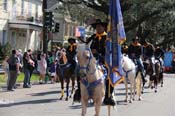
(65, 72)
(154, 79)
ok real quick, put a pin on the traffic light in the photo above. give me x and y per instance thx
(49, 20)
(57, 27)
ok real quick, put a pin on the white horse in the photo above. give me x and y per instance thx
(92, 85)
(129, 69)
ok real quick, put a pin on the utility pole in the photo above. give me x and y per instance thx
(45, 44)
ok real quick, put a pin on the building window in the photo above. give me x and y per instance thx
(5, 5)
(22, 7)
(14, 9)
(4, 37)
(29, 9)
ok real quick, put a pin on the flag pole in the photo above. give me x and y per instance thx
(109, 110)
(109, 107)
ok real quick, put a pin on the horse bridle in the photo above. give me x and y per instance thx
(88, 65)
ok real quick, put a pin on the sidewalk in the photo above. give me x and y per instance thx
(21, 93)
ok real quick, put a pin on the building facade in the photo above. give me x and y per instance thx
(21, 24)
(67, 26)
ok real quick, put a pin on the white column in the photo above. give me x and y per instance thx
(27, 40)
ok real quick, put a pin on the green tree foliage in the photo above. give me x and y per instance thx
(5, 50)
(151, 19)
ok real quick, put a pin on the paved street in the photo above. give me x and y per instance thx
(42, 100)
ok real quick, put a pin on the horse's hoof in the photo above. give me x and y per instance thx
(130, 101)
(142, 92)
(152, 87)
(61, 97)
(140, 99)
(66, 99)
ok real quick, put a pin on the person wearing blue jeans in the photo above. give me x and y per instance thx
(26, 70)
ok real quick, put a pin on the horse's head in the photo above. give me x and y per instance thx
(61, 57)
(127, 63)
(84, 57)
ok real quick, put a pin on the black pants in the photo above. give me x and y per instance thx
(12, 80)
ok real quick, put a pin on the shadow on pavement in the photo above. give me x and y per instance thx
(80, 106)
(122, 102)
(41, 101)
(45, 93)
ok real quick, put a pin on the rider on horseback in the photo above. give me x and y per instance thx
(125, 49)
(159, 54)
(135, 52)
(71, 52)
(71, 55)
(148, 53)
(98, 50)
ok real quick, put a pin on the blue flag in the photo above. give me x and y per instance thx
(116, 35)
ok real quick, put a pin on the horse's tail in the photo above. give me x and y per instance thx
(138, 84)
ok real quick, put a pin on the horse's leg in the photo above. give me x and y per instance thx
(161, 79)
(62, 88)
(134, 89)
(139, 86)
(98, 103)
(155, 83)
(143, 83)
(151, 82)
(84, 105)
(126, 88)
(73, 85)
(67, 88)
(131, 88)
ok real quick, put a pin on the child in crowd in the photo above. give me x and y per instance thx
(42, 68)
(53, 71)
(5, 66)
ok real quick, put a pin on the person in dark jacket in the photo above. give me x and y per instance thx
(98, 48)
(148, 53)
(26, 68)
(31, 63)
(71, 51)
(13, 69)
(159, 54)
(135, 53)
